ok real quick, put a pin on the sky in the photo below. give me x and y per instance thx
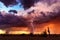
(15, 7)
(42, 15)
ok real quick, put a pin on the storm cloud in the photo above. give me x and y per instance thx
(12, 20)
(43, 12)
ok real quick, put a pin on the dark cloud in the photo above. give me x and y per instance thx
(46, 18)
(11, 20)
(27, 3)
(14, 11)
(9, 2)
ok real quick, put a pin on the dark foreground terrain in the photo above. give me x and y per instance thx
(29, 37)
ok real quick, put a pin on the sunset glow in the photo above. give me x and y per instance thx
(2, 31)
(18, 32)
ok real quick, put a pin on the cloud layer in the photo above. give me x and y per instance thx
(41, 12)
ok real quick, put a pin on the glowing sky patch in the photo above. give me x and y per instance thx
(15, 7)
